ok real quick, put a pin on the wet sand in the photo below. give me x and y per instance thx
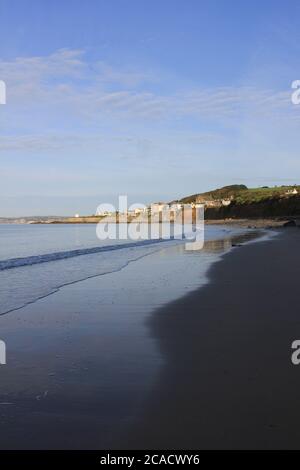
(81, 362)
(104, 365)
(228, 381)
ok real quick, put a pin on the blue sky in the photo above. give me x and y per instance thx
(153, 99)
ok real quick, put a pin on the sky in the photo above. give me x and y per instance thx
(151, 99)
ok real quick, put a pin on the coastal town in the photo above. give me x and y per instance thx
(154, 209)
(229, 202)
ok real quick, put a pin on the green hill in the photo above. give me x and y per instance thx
(222, 193)
(246, 202)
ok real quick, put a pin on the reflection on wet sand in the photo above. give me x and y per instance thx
(221, 245)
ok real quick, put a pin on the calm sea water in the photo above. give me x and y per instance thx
(81, 364)
(37, 260)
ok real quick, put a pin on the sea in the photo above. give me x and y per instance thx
(36, 260)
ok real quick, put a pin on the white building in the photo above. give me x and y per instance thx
(176, 206)
(104, 213)
(226, 202)
(292, 191)
(140, 210)
(159, 207)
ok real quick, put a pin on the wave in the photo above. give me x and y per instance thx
(62, 255)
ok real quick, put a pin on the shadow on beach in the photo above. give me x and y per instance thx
(228, 381)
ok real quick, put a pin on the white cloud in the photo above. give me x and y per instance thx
(67, 77)
(65, 86)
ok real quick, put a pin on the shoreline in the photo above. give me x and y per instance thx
(106, 365)
(80, 361)
(268, 223)
(265, 223)
(228, 382)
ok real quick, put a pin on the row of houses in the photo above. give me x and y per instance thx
(159, 207)
(177, 206)
(155, 208)
(215, 202)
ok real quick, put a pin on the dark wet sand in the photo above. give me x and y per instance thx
(228, 380)
(84, 375)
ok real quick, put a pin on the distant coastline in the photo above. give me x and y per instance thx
(235, 204)
(246, 223)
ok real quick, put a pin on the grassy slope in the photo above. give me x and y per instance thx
(253, 202)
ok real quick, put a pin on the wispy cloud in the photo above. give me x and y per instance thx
(37, 142)
(67, 77)
(66, 87)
